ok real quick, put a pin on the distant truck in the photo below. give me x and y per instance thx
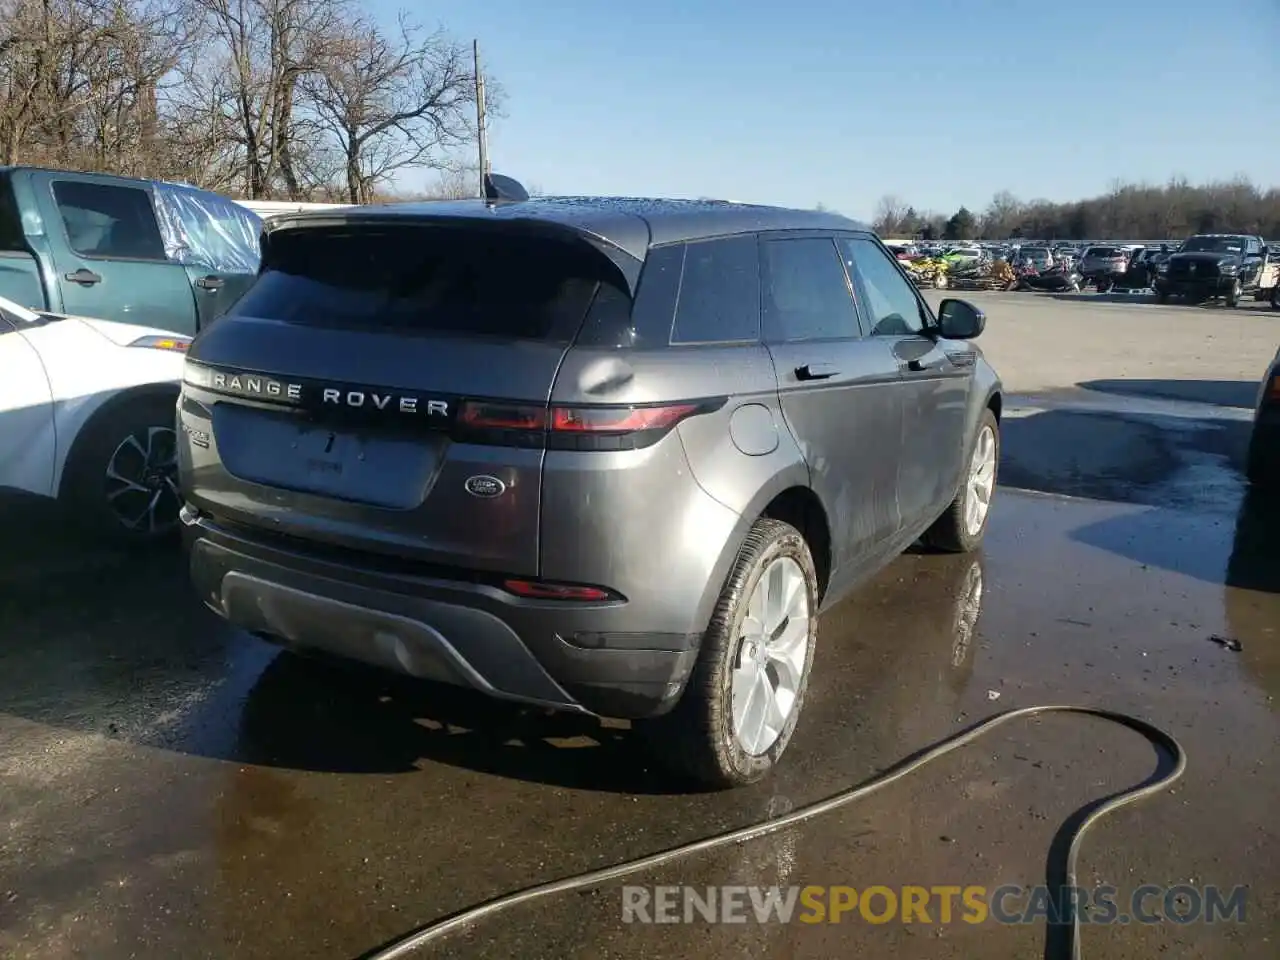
(1211, 265)
(150, 253)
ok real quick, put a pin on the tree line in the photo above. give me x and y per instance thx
(1133, 212)
(264, 99)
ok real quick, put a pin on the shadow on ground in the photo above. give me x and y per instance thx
(1139, 458)
(1218, 393)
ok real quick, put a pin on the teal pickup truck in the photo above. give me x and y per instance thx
(145, 252)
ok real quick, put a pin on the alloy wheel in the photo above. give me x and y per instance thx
(141, 481)
(981, 483)
(769, 663)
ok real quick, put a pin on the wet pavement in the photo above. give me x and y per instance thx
(172, 788)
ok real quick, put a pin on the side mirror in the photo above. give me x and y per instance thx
(960, 320)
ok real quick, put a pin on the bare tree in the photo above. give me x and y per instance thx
(392, 101)
(890, 213)
(262, 50)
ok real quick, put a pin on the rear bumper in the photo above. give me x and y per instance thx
(469, 634)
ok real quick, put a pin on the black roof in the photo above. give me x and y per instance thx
(631, 224)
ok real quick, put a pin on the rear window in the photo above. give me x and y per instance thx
(1103, 252)
(430, 279)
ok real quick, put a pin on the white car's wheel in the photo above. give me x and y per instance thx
(121, 479)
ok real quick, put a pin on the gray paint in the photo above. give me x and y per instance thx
(881, 444)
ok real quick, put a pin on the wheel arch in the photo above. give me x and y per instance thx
(72, 431)
(786, 497)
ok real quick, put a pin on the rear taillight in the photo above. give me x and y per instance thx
(501, 416)
(1274, 392)
(541, 590)
(574, 428)
(614, 420)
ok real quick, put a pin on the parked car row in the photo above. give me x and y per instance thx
(1206, 266)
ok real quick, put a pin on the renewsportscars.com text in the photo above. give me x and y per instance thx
(1009, 904)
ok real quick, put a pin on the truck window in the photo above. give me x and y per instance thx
(11, 237)
(108, 221)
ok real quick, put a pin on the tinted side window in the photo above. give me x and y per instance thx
(11, 237)
(108, 221)
(719, 292)
(615, 320)
(806, 292)
(889, 299)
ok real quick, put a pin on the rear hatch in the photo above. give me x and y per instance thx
(370, 389)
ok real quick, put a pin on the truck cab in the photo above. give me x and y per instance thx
(150, 253)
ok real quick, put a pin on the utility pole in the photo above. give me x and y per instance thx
(482, 135)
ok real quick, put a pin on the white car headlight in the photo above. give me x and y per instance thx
(1229, 269)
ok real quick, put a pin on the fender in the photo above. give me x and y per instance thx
(72, 426)
(795, 474)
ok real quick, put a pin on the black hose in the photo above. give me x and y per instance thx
(438, 929)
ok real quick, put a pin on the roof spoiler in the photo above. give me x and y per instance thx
(500, 189)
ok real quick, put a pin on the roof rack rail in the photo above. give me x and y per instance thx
(500, 189)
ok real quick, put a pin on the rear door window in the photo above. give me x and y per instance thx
(806, 292)
(719, 299)
(108, 221)
(429, 279)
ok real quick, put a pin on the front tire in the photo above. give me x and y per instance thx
(962, 526)
(121, 477)
(740, 708)
(1232, 296)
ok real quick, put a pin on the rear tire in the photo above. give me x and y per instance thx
(710, 735)
(123, 470)
(956, 530)
(1275, 298)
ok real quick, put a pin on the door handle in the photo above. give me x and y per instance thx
(210, 283)
(84, 277)
(815, 371)
(922, 365)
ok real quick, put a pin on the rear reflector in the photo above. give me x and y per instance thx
(538, 590)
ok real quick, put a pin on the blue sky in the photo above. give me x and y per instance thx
(941, 103)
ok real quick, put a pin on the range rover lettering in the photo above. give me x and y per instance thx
(599, 455)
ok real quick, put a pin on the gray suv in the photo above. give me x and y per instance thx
(600, 455)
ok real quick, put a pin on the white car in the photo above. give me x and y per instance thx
(87, 417)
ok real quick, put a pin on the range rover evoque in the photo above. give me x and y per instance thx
(603, 455)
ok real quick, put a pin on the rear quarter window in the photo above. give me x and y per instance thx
(429, 279)
(719, 299)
